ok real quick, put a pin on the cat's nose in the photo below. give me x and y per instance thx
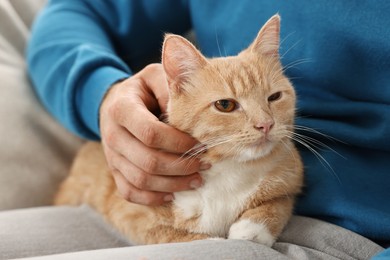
(265, 127)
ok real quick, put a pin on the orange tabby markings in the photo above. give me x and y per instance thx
(249, 191)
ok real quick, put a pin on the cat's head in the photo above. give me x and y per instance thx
(239, 107)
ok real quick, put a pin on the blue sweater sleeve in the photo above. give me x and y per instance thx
(384, 255)
(79, 48)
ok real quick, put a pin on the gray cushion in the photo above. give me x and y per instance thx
(35, 151)
(50, 230)
(55, 230)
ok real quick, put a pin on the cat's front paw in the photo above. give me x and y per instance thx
(248, 230)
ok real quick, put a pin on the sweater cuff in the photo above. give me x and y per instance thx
(90, 96)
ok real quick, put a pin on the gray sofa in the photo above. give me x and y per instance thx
(35, 155)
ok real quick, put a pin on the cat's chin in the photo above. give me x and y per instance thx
(255, 152)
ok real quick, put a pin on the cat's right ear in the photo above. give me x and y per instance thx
(268, 39)
(180, 59)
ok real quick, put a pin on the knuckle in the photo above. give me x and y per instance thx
(149, 136)
(113, 109)
(179, 145)
(141, 182)
(152, 68)
(114, 174)
(150, 199)
(110, 164)
(127, 193)
(110, 139)
(150, 164)
(125, 190)
(116, 110)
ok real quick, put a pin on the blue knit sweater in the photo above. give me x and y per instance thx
(337, 54)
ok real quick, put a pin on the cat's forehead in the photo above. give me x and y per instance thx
(245, 75)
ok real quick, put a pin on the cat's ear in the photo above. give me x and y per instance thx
(180, 59)
(268, 39)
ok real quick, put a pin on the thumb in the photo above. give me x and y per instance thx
(157, 82)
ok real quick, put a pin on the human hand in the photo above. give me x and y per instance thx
(143, 153)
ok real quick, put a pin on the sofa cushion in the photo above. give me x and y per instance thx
(35, 151)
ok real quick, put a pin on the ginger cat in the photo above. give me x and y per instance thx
(242, 110)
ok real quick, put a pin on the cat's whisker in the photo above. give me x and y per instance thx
(239, 142)
(286, 37)
(288, 66)
(198, 150)
(275, 65)
(289, 49)
(295, 63)
(314, 142)
(216, 38)
(311, 130)
(289, 149)
(320, 158)
(274, 70)
(294, 78)
(190, 155)
(283, 69)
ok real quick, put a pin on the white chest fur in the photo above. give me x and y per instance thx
(228, 186)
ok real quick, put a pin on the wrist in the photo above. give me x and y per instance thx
(90, 97)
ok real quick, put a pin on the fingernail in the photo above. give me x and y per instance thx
(204, 166)
(196, 183)
(168, 198)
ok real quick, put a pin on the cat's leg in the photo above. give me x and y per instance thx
(169, 234)
(147, 225)
(89, 178)
(264, 223)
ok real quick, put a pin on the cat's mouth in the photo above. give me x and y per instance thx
(256, 149)
(260, 142)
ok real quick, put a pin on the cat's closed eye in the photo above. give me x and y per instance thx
(226, 105)
(275, 96)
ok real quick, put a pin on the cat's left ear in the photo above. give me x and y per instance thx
(268, 39)
(180, 60)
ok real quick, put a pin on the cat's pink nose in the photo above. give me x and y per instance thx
(264, 126)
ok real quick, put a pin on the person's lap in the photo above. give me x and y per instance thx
(51, 230)
(61, 230)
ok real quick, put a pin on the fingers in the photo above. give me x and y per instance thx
(145, 126)
(152, 161)
(144, 154)
(144, 197)
(158, 84)
(131, 109)
(156, 134)
(139, 187)
(144, 181)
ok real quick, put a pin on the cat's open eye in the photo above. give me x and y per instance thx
(226, 105)
(275, 96)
